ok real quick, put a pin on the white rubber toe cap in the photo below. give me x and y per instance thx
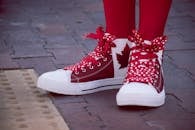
(139, 94)
(55, 81)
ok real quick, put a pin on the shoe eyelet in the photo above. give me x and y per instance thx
(91, 67)
(105, 59)
(76, 72)
(99, 64)
(83, 70)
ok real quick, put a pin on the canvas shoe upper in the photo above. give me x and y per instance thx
(103, 68)
(144, 84)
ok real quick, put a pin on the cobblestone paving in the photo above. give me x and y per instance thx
(41, 35)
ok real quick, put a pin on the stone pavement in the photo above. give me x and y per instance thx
(24, 106)
(42, 34)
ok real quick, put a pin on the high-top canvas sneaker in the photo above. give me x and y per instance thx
(103, 68)
(144, 80)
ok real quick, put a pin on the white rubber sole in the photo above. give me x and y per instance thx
(78, 88)
(139, 94)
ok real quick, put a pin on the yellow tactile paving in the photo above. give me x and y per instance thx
(23, 106)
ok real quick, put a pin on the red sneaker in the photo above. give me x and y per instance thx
(103, 68)
(144, 80)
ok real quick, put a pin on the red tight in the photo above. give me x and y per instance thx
(120, 17)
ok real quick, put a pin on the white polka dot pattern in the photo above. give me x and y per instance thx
(144, 65)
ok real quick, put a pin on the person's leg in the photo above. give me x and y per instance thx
(120, 17)
(153, 17)
(144, 84)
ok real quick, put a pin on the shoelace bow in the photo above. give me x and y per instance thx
(144, 65)
(105, 43)
(151, 49)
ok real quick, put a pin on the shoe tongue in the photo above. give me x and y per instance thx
(124, 41)
(147, 42)
(106, 34)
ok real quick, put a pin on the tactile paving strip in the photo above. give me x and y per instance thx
(25, 107)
